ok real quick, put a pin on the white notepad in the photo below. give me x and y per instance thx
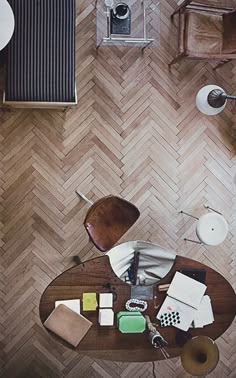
(204, 314)
(186, 290)
(73, 304)
(183, 296)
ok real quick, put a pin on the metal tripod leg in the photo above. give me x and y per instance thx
(193, 241)
(210, 208)
(192, 216)
(84, 197)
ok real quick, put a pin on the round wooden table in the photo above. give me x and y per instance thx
(108, 343)
(7, 23)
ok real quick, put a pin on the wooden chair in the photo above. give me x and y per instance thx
(108, 219)
(205, 32)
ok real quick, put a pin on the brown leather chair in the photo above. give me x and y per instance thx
(108, 219)
(205, 33)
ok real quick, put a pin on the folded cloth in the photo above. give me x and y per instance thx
(154, 261)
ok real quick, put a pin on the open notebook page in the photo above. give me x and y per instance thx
(186, 313)
(186, 290)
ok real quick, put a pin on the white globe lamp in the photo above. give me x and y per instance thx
(211, 99)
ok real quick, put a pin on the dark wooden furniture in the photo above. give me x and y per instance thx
(108, 219)
(205, 32)
(108, 343)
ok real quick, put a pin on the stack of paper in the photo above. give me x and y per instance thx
(204, 314)
(183, 296)
(73, 304)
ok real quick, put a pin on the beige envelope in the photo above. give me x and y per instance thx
(67, 324)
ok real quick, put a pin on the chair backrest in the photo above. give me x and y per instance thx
(108, 219)
(229, 33)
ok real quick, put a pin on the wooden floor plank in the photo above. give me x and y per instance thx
(135, 132)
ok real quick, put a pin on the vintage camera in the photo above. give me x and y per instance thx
(121, 19)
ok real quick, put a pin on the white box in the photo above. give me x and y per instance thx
(106, 317)
(105, 300)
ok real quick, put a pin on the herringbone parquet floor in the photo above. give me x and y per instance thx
(136, 132)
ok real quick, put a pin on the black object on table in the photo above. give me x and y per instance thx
(196, 274)
(120, 26)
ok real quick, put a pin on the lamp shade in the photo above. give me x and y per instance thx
(202, 100)
(200, 356)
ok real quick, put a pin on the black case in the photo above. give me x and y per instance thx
(119, 26)
(196, 274)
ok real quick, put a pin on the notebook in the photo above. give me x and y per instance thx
(67, 324)
(183, 296)
(73, 304)
(89, 301)
(186, 290)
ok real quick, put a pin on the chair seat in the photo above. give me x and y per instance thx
(108, 219)
(212, 229)
(203, 33)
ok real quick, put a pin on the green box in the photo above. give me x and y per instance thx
(131, 322)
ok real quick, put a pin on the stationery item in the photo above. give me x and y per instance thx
(204, 314)
(170, 318)
(186, 290)
(105, 300)
(196, 274)
(89, 302)
(106, 317)
(131, 322)
(186, 313)
(65, 323)
(183, 296)
(73, 304)
(163, 287)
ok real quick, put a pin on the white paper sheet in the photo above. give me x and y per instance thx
(204, 314)
(73, 304)
(186, 290)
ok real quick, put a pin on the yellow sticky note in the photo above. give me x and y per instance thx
(89, 302)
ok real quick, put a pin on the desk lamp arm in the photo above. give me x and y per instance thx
(217, 98)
